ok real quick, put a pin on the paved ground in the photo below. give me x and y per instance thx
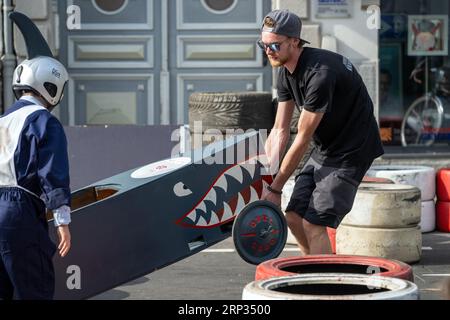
(220, 274)
(434, 267)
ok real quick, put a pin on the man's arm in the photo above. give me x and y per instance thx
(53, 172)
(307, 125)
(279, 136)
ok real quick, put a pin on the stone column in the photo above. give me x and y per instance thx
(8, 58)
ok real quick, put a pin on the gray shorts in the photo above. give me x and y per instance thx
(324, 195)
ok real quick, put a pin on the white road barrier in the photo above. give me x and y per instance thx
(419, 176)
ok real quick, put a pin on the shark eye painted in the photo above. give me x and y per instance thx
(181, 190)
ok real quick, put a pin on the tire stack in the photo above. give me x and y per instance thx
(443, 200)
(421, 177)
(384, 222)
(332, 232)
(222, 111)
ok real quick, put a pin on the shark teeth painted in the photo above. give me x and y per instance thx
(211, 196)
(250, 168)
(198, 216)
(214, 219)
(236, 173)
(193, 216)
(227, 212)
(202, 207)
(202, 222)
(222, 183)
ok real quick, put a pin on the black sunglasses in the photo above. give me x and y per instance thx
(274, 46)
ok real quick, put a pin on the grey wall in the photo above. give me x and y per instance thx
(99, 152)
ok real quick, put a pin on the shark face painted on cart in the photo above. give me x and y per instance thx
(150, 217)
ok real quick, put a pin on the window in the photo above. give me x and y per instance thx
(414, 76)
(110, 7)
(219, 6)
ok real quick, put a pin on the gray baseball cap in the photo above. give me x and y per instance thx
(286, 23)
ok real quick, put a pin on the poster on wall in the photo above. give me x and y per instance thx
(333, 9)
(428, 35)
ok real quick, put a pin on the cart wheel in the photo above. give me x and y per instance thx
(259, 232)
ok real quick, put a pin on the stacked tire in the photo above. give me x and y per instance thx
(421, 177)
(384, 222)
(443, 200)
(219, 112)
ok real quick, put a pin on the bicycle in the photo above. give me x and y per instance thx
(423, 120)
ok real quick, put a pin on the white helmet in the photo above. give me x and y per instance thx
(45, 76)
(41, 73)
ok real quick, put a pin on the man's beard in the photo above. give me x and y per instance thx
(278, 62)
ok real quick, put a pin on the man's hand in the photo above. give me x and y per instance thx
(64, 240)
(272, 197)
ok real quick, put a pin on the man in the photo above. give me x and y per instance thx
(34, 175)
(337, 114)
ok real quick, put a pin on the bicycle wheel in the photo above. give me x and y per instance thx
(422, 121)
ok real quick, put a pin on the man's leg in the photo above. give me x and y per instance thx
(31, 271)
(299, 203)
(317, 238)
(295, 224)
(6, 288)
(27, 250)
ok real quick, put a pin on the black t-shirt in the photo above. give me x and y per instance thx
(326, 82)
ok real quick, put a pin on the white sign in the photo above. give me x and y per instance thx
(333, 9)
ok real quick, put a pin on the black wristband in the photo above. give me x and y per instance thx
(274, 191)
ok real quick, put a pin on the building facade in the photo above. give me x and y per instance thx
(135, 62)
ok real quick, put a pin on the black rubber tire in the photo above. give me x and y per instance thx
(231, 110)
